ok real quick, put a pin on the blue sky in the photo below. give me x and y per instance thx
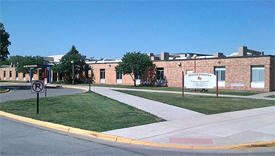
(109, 29)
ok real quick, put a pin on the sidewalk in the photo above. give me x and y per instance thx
(162, 110)
(257, 96)
(238, 127)
(186, 127)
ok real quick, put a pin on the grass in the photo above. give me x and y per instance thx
(13, 81)
(211, 91)
(203, 104)
(88, 111)
(271, 96)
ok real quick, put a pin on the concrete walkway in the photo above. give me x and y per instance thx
(238, 127)
(264, 95)
(192, 128)
(257, 96)
(159, 109)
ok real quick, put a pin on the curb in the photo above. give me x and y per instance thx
(5, 91)
(125, 140)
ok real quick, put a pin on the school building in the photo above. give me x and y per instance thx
(246, 69)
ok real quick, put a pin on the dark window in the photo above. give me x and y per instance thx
(160, 74)
(221, 73)
(118, 75)
(137, 76)
(10, 73)
(102, 73)
(24, 75)
(4, 73)
(16, 74)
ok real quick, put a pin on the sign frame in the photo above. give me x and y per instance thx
(37, 84)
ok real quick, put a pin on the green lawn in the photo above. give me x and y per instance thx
(211, 91)
(203, 104)
(13, 81)
(272, 96)
(88, 111)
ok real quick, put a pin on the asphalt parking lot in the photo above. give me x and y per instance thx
(24, 92)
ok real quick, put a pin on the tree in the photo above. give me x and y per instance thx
(71, 64)
(20, 61)
(134, 64)
(4, 43)
(149, 77)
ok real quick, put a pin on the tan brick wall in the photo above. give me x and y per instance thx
(13, 78)
(272, 73)
(238, 70)
(110, 74)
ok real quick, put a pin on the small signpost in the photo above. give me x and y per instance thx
(90, 78)
(37, 87)
(200, 81)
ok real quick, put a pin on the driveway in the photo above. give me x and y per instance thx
(22, 91)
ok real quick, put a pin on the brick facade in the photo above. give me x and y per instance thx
(13, 75)
(238, 71)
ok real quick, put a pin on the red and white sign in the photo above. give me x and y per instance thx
(200, 80)
(37, 86)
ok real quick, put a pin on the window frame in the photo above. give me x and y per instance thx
(118, 75)
(102, 76)
(258, 68)
(160, 75)
(221, 77)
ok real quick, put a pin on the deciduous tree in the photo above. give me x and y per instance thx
(134, 63)
(71, 64)
(4, 43)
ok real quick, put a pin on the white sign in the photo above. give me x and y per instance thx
(90, 73)
(37, 86)
(237, 84)
(200, 80)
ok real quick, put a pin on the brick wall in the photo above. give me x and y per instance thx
(14, 78)
(272, 73)
(238, 71)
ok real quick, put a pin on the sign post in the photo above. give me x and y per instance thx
(182, 83)
(90, 78)
(37, 87)
(217, 85)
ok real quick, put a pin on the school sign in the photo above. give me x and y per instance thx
(200, 80)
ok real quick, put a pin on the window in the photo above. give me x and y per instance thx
(118, 75)
(10, 73)
(4, 73)
(257, 77)
(24, 75)
(221, 73)
(137, 76)
(257, 73)
(16, 74)
(160, 74)
(118, 78)
(102, 73)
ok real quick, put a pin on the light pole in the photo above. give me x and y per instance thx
(72, 62)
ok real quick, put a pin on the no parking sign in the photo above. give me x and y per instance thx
(37, 86)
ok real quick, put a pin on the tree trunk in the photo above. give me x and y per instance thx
(135, 83)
